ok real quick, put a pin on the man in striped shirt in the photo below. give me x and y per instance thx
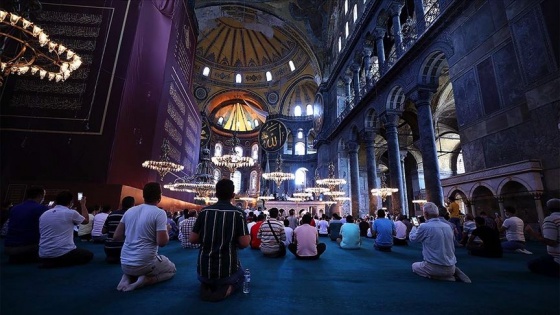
(220, 229)
(550, 264)
(269, 246)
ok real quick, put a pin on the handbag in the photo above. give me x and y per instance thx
(281, 246)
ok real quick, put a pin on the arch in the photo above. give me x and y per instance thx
(301, 177)
(482, 184)
(217, 174)
(517, 179)
(370, 120)
(396, 98)
(431, 68)
(236, 178)
(255, 152)
(253, 181)
(218, 149)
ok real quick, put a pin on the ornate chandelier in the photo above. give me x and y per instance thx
(277, 176)
(163, 166)
(302, 194)
(233, 161)
(331, 182)
(27, 48)
(201, 183)
(384, 191)
(316, 189)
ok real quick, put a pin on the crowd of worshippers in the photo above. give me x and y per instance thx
(132, 234)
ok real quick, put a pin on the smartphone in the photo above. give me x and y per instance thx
(80, 195)
(415, 221)
(51, 203)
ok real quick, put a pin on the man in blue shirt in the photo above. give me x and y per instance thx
(350, 234)
(438, 248)
(22, 239)
(383, 231)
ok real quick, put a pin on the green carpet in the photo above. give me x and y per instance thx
(341, 282)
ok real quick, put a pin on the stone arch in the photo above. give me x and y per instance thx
(517, 179)
(431, 68)
(370, 119)
(482, 184)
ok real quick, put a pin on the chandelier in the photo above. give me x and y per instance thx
(294, 199)
(234, 160)
(302, 194)
(384, 191)
(202, 182)
(316, 189)
(265, 197)
(163, 166)
(277, 176)
(26, 48)
(331, 182)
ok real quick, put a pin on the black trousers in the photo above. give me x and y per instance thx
(77, 256)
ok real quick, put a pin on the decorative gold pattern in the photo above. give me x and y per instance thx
(172, 131)
(175, 116)
(176, 97)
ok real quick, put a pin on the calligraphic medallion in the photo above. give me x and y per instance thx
(205, 133)
(272, 135)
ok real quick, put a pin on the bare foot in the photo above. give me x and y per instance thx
(125, 281)
(132, 286)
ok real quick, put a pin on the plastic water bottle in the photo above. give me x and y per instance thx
(247, 282)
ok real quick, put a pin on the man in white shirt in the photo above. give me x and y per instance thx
(98, 221)
(514, 228)
(549, 264)
(438, 248)
(145, 227)
(56, 226)
(401, 228)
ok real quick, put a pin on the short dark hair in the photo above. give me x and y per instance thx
(260, 217)
(336, 216)
(34, 192)
(381, 213)
(64, 198)
(349, 219)
(292, 211)
(106, 208)
(192, 213)
(152, 192)
(127, 202)
(224, 189)
(306, 219)
(273, 212)
(479, 220)
(286, 222)
(510, 210)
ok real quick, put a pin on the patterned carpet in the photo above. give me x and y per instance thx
(341, 282)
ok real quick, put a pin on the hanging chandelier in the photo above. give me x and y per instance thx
(331, 182)
(163, 166)
(234, 160)
(27, 48)
(277, 176)
(316, 189)
(302, 194)
(202, 182)
(384, 191)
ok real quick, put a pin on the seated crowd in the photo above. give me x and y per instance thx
(132, 235)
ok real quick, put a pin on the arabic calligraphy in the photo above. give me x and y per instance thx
(272, 135)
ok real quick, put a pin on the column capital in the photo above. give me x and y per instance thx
(537, 195)
(367, 50)
(368, 136)
(355, 67)
(347, 78)
(396, 7)
(379, 33)
(352, 146)
(390, 119)
(421, 96)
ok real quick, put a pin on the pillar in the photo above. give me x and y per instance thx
(420, 19)
(369, 140)
(501, 206)
(368, 51)
(348, 88)
(434, 191)
(391, 121)
(378, 35)
(395, 12)
(402, 156)
(539, 207)
(356, 82)
(354, 177)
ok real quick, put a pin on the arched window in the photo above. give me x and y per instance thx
(255, 152)
(355, 12)
(301, 177)
(218, 149)
(256, 122)
(460, 163)
(292, 66)
(339, 44)
(345, 6)
(309, 110)
(238, 78)
(289, 146)
(346, 30)
(268, 76)
(221, 120)
(206, 71)
(237, 181)
(217, 175)
(300, 134)
(310, 140)
(300, 148)
(297, 110)
(253, 182)
(238, 151)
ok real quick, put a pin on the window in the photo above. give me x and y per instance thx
(301, 177)
(256, 122)
(238, 78)
(300, 134)
(355, 12)
(345, 6)
(239, 151)
(217, 175)
(309, 110)
(297, 110)
(253, 182)
(255, 152)
(268, 76)
(300, 148)
(460, 163)
(218, 149)
(221, 121)
(292, 66)
(236, 181)
(310, 142)
(339, 44)
(346, 30)
(206, 71)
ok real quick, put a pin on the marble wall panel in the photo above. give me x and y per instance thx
(508, 76)
(467, 98)
(488, 87)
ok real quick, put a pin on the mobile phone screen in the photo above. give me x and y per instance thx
(415, 221)
(80, 195)
(51, 203)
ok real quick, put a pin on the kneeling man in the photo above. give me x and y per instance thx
(438, 248)
(145, 228)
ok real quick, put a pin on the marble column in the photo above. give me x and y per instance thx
(348, 89)
(501, 206)
(356, 82)
(395, 12)
(368, 51)
(354, 177)
(369, 140)
(391, 120)
(378, 35)
(420, 19)
(434, 191)
(539, 207)
(402, 156)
